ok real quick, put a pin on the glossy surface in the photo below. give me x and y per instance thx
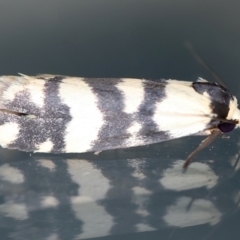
(119, 193)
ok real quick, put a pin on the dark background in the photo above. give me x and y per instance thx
(127, 38)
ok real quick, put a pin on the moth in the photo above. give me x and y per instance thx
(61, 114)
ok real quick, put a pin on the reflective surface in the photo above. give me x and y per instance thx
(67, 198)
(138, 193)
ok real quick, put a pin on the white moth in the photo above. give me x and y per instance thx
(60, 114)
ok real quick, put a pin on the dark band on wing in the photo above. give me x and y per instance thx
(50, 126)
(154, 92)
(113, 133)
(219, 95)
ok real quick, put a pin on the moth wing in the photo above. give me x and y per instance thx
(183, 111)
(23, 94)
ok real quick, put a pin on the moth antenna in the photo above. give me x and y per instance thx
(202, 145)
(195, 54)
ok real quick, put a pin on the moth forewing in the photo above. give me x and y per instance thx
(71, 114)
(182, 112)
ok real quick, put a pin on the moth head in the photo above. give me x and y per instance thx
(233, 118)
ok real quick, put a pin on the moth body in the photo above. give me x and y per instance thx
(61, 114)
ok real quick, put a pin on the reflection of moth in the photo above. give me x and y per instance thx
(62, 114)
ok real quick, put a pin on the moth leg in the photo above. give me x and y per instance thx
(215, 133)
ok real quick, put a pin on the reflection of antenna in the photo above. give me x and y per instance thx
(191, 49)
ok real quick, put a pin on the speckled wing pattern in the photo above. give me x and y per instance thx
(60, 114)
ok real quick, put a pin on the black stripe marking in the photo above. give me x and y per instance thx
(219, 95)
(113, 134)
(50, 121)
(29, 134)
(154, 93)
(59, 113)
